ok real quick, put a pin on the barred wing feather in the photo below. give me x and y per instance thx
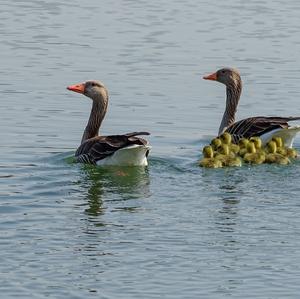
(258, 126)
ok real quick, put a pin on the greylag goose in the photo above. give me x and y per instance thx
(265, 127)
(123, 150)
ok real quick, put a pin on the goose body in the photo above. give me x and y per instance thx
(264, 127)
(122, 150)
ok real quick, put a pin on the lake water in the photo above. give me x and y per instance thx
(172, 230)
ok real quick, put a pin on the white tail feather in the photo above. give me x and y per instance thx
(133, 155)
(287, 135)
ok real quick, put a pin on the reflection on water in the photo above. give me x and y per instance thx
(94, 193)
(232, 189)
(103, 183)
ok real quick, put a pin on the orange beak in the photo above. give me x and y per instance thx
(212, 76)
(77, 87)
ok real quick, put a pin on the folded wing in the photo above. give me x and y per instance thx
(258, 126)
(100, 147)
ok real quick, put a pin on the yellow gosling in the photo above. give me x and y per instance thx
(208, 160)
(281, 150)
(234, 148)
(243, 146)
(283, 160)
(252, 156)
(227, 157)
(216, 143)
(257, 142)
(222, 158)
(216, 153)
(226, 138)
(273, 156)
(208, 151)
(280, 146)
(233, 162)
(223, 153)
(243, 143)
(224, 149)
(210, 163)
(243, 152)
(255, 158)
(271, 147)
(291, 153)
(278, 141)
(251, 149)
(277, 159)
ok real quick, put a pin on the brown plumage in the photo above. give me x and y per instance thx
(257, 126)
(95, 147)
(249, 127)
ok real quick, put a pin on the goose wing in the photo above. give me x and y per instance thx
(257, 126)
(100, 147)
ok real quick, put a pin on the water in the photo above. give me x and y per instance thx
(171, 230)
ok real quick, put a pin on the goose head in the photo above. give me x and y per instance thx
(93, 89)
(227, 76)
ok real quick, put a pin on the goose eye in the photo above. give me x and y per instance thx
(223, 72)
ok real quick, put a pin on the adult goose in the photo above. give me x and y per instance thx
(265, 127)
(123, 150)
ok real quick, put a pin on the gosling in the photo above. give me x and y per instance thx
(253, 156)
(209, 161)
(274, 157)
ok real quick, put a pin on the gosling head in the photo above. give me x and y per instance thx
(215, 143)
(243, 143)
(251, 147)
(291, 153)
(278, 141)
(271, 147)
(224, 149)
(257, 142)
(208, 152)
(226, 138)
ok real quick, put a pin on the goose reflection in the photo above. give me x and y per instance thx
(231, 191)
(113, 184)
(228, 187)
